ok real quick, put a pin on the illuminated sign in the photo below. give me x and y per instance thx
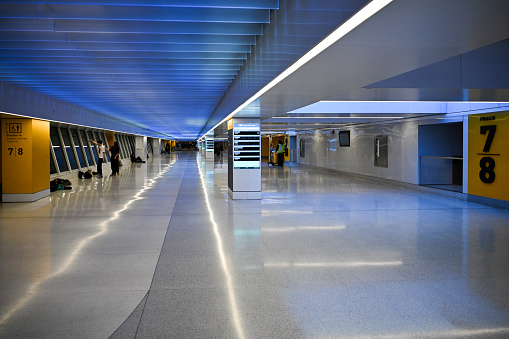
(246, 146)
(209, 145)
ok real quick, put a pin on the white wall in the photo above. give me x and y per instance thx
(322, 150)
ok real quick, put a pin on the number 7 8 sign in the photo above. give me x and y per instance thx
(488, 155)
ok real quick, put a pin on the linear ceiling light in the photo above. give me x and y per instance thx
(330, 118)
(410, 101)
(358, 18)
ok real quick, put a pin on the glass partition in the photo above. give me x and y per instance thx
(150, 150)
(87, 148)
(57, 149)
(132, 144)
(125, 145)
(95, 136)
(52, 168)
(68, 148)
(102, 136)
(92, 145)
(77, 147)
(128, 150)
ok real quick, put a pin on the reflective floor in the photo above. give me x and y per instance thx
(161, 252)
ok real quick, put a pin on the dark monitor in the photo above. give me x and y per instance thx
(344, 138)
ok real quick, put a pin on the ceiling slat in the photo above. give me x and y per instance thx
(136, 13)
(118, 62)
(123, 47)
(267, 4)
(121, 55)
(113, 69)
(160, 38)
(122, 26)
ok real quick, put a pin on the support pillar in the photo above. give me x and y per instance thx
(209, 148)
(156, 146)
(25, 160)
(244, 165)
(200, 147)
(141, 147)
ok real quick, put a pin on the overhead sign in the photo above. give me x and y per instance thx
(488, 155)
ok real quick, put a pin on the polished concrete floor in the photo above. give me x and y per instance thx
(161, 252)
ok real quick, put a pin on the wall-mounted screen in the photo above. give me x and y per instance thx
(344, 138)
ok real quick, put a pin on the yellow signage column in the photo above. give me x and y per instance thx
(488, 155)
(25, 160)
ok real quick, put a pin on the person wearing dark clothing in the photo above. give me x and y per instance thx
(115, 159)
(101, 157)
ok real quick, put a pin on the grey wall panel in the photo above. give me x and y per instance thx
(359, 157)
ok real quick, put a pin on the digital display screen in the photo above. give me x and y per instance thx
(344, 138)
(209, 145)
(246, 146)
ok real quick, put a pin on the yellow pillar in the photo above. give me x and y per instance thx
(25, 160)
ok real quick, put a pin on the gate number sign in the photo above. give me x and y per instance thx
(488, 146)
(15, 151)
(487, 163)
(15, 139)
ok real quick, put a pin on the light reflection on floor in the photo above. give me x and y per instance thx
(320, 256)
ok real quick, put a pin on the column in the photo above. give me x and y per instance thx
(200, 146)
(141, 147)
(156, 146)
(244, 165)
(25, 160)
(209, 148)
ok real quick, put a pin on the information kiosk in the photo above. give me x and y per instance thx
(244, 165)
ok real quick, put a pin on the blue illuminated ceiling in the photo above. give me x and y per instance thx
(161, 65)
(177, 68)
